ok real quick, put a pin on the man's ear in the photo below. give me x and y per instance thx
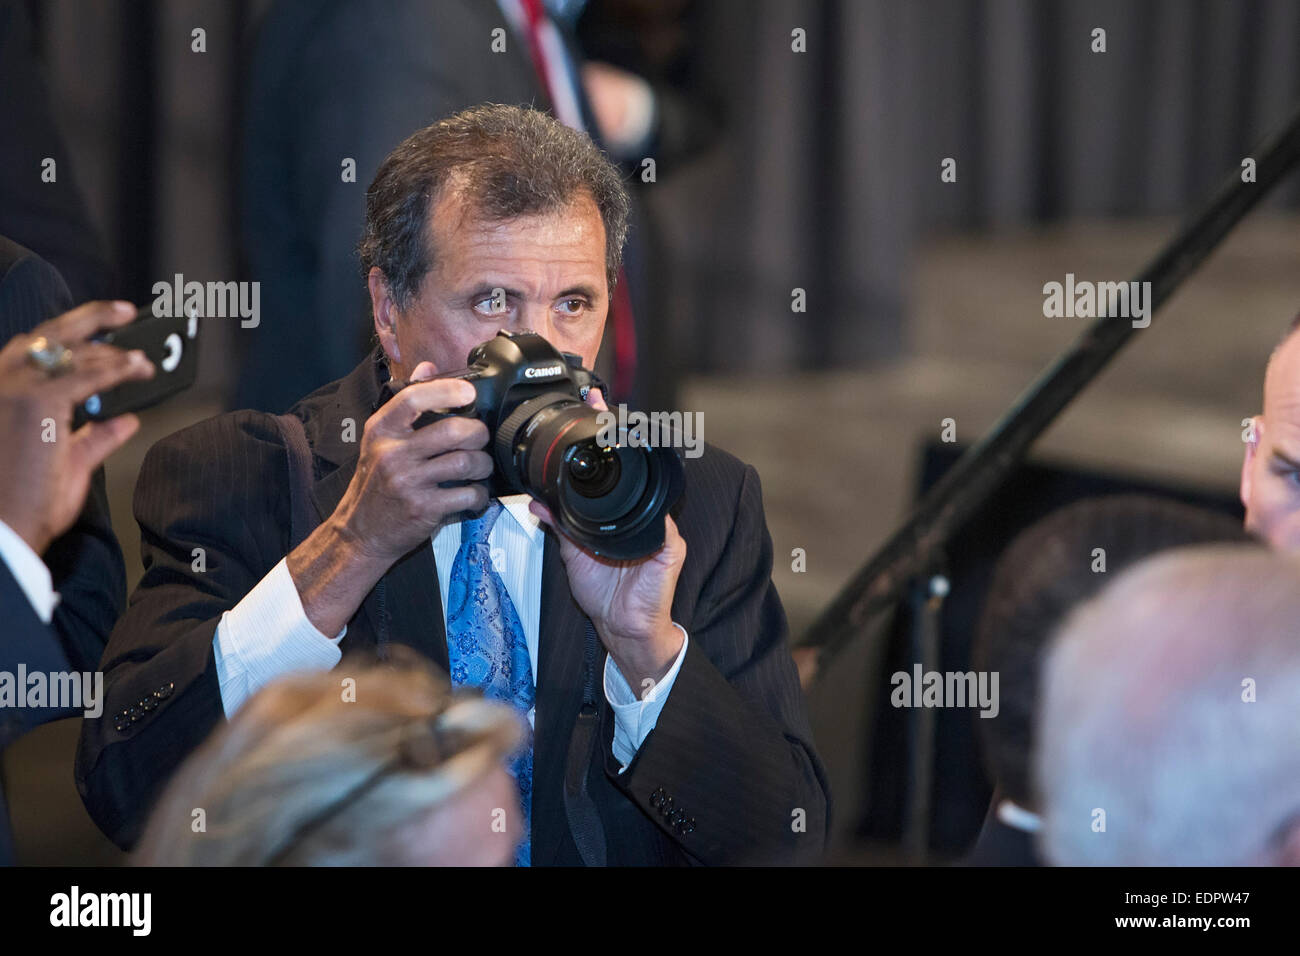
(1248, 460)
(385, 312)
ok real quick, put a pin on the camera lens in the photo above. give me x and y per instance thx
(604, 484)
(611, 497)
(593, 471)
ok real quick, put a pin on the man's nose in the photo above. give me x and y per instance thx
(537, 318)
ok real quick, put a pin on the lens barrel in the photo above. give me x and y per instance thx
(612, 499)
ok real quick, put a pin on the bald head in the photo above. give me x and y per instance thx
(1270, 473)
(1168, 728)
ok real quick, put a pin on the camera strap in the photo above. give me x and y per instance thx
(579, 807)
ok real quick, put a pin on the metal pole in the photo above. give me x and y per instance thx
(967, 485)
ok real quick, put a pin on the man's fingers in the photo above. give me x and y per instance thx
(456, 466)
(423, 372)
(449, 501)
(447, 434)
(543, 512)
(674, 543)
(95, 441)
(596, 399)
(85, 320)
(396, 417)
(98, 368)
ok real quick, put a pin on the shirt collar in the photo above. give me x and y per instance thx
(517, 507)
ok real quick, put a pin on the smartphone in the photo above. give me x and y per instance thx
(169, 342)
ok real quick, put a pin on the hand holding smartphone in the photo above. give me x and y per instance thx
(170, 343)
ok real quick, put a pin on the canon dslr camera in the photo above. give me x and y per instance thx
(611, 499)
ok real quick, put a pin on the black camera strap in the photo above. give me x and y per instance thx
(579, 807)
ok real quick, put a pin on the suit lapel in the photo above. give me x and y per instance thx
(409, 596)
(559, 697)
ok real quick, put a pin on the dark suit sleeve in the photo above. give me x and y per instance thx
(24, 639)
(208, 502)
(29, 641)
(85, 562)
(732, 748)
(31, 290)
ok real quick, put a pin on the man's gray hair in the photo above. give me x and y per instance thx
(1169, 715)
(505, 162)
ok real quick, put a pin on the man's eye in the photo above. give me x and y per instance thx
(573, 306)
(491, 305)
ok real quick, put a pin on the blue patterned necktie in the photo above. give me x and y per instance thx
(486, 647)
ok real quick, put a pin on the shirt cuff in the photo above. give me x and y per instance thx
(30, 572)
(634, 718)
(268, 635)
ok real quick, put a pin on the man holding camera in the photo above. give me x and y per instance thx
(496, 218)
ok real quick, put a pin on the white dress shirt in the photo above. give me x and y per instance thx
(267, 634)
(30, 572)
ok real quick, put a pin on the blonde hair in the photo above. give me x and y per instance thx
(302, 775)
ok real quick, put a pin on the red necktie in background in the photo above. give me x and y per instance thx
(621, 306)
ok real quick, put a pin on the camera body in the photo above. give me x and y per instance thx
(612, 499)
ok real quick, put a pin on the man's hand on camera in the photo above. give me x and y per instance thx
(395, 500)
(48, 466)
(629, 602)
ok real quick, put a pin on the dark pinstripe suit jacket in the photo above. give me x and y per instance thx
(28, 641)
(732, 747)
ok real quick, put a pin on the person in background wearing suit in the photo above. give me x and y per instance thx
(1048, 569)
(345, 81)
(1167, 728)
(40, 204)
(1270, 470)
(705, 753)
(43, 484)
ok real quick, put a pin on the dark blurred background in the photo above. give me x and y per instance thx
(820, 171)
